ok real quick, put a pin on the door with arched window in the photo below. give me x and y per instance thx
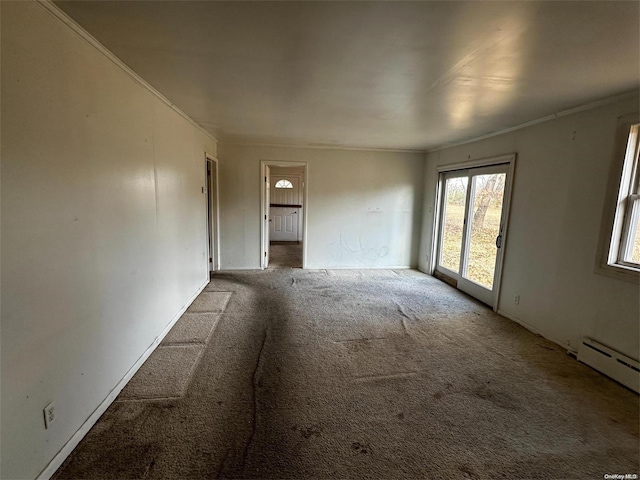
(286, 208)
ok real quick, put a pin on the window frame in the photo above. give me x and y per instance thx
(628, 208)
(623, 200)
(286, 184)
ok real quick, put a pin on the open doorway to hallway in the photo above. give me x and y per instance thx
(284, 214)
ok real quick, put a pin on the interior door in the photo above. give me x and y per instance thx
(285, 208)
(473, 214)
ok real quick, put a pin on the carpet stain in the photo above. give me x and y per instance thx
(467, 472)
(441, 393)
(500, 399)
(360, 447)
(223, 463)
(311, 431)
(358, 345)
(149, 468)
(400, 416)
(135, 461)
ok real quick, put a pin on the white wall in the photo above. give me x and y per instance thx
(558, 199)
(103, 228)
(363, 207)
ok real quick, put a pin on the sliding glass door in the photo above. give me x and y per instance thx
(473, 214)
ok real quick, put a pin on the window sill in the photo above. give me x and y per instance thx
(621, 272)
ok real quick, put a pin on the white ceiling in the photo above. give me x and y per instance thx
(412, 75)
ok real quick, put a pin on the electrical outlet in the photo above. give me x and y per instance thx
(49, 414)
(516, 299)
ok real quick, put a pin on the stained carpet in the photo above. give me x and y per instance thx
(393, 374)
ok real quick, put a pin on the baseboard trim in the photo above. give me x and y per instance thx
(311, 267)
(77, 437)
(402, 267)
(535, 330)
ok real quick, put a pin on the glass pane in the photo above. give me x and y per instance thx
(284, 184)
(455, 196)
(487, 195)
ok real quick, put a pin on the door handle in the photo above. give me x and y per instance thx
(499, 241)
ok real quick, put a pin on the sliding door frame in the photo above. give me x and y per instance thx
(510, 161)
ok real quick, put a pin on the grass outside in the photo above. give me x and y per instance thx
(482, 246)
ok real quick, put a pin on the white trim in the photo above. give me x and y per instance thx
(535, 330)
(589, 106)
(508, 194)
(77, 437)
(612, 217)
(312, 267)
(404, 267)
(506, 159)
(55, 12)
(322, 146)
(481, 162)
(264, 208)
(265, 211)
(563, 113)
(217, 262)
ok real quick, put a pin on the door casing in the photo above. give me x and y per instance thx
(510, 161)
(212, 197)
(265, 207)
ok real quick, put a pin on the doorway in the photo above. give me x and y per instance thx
(284, 216)
(213, 213)
(473, 207)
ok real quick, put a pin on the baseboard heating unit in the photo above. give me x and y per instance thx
(613, 364)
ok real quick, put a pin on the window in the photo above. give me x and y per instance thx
(283, 184)
(624, 251)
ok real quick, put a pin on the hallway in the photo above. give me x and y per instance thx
(285, 255)
(366, 374)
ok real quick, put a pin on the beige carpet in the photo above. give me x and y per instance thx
(213, 302)
(368, 375)
(168, 370)
(192, 328)
(165, 374)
